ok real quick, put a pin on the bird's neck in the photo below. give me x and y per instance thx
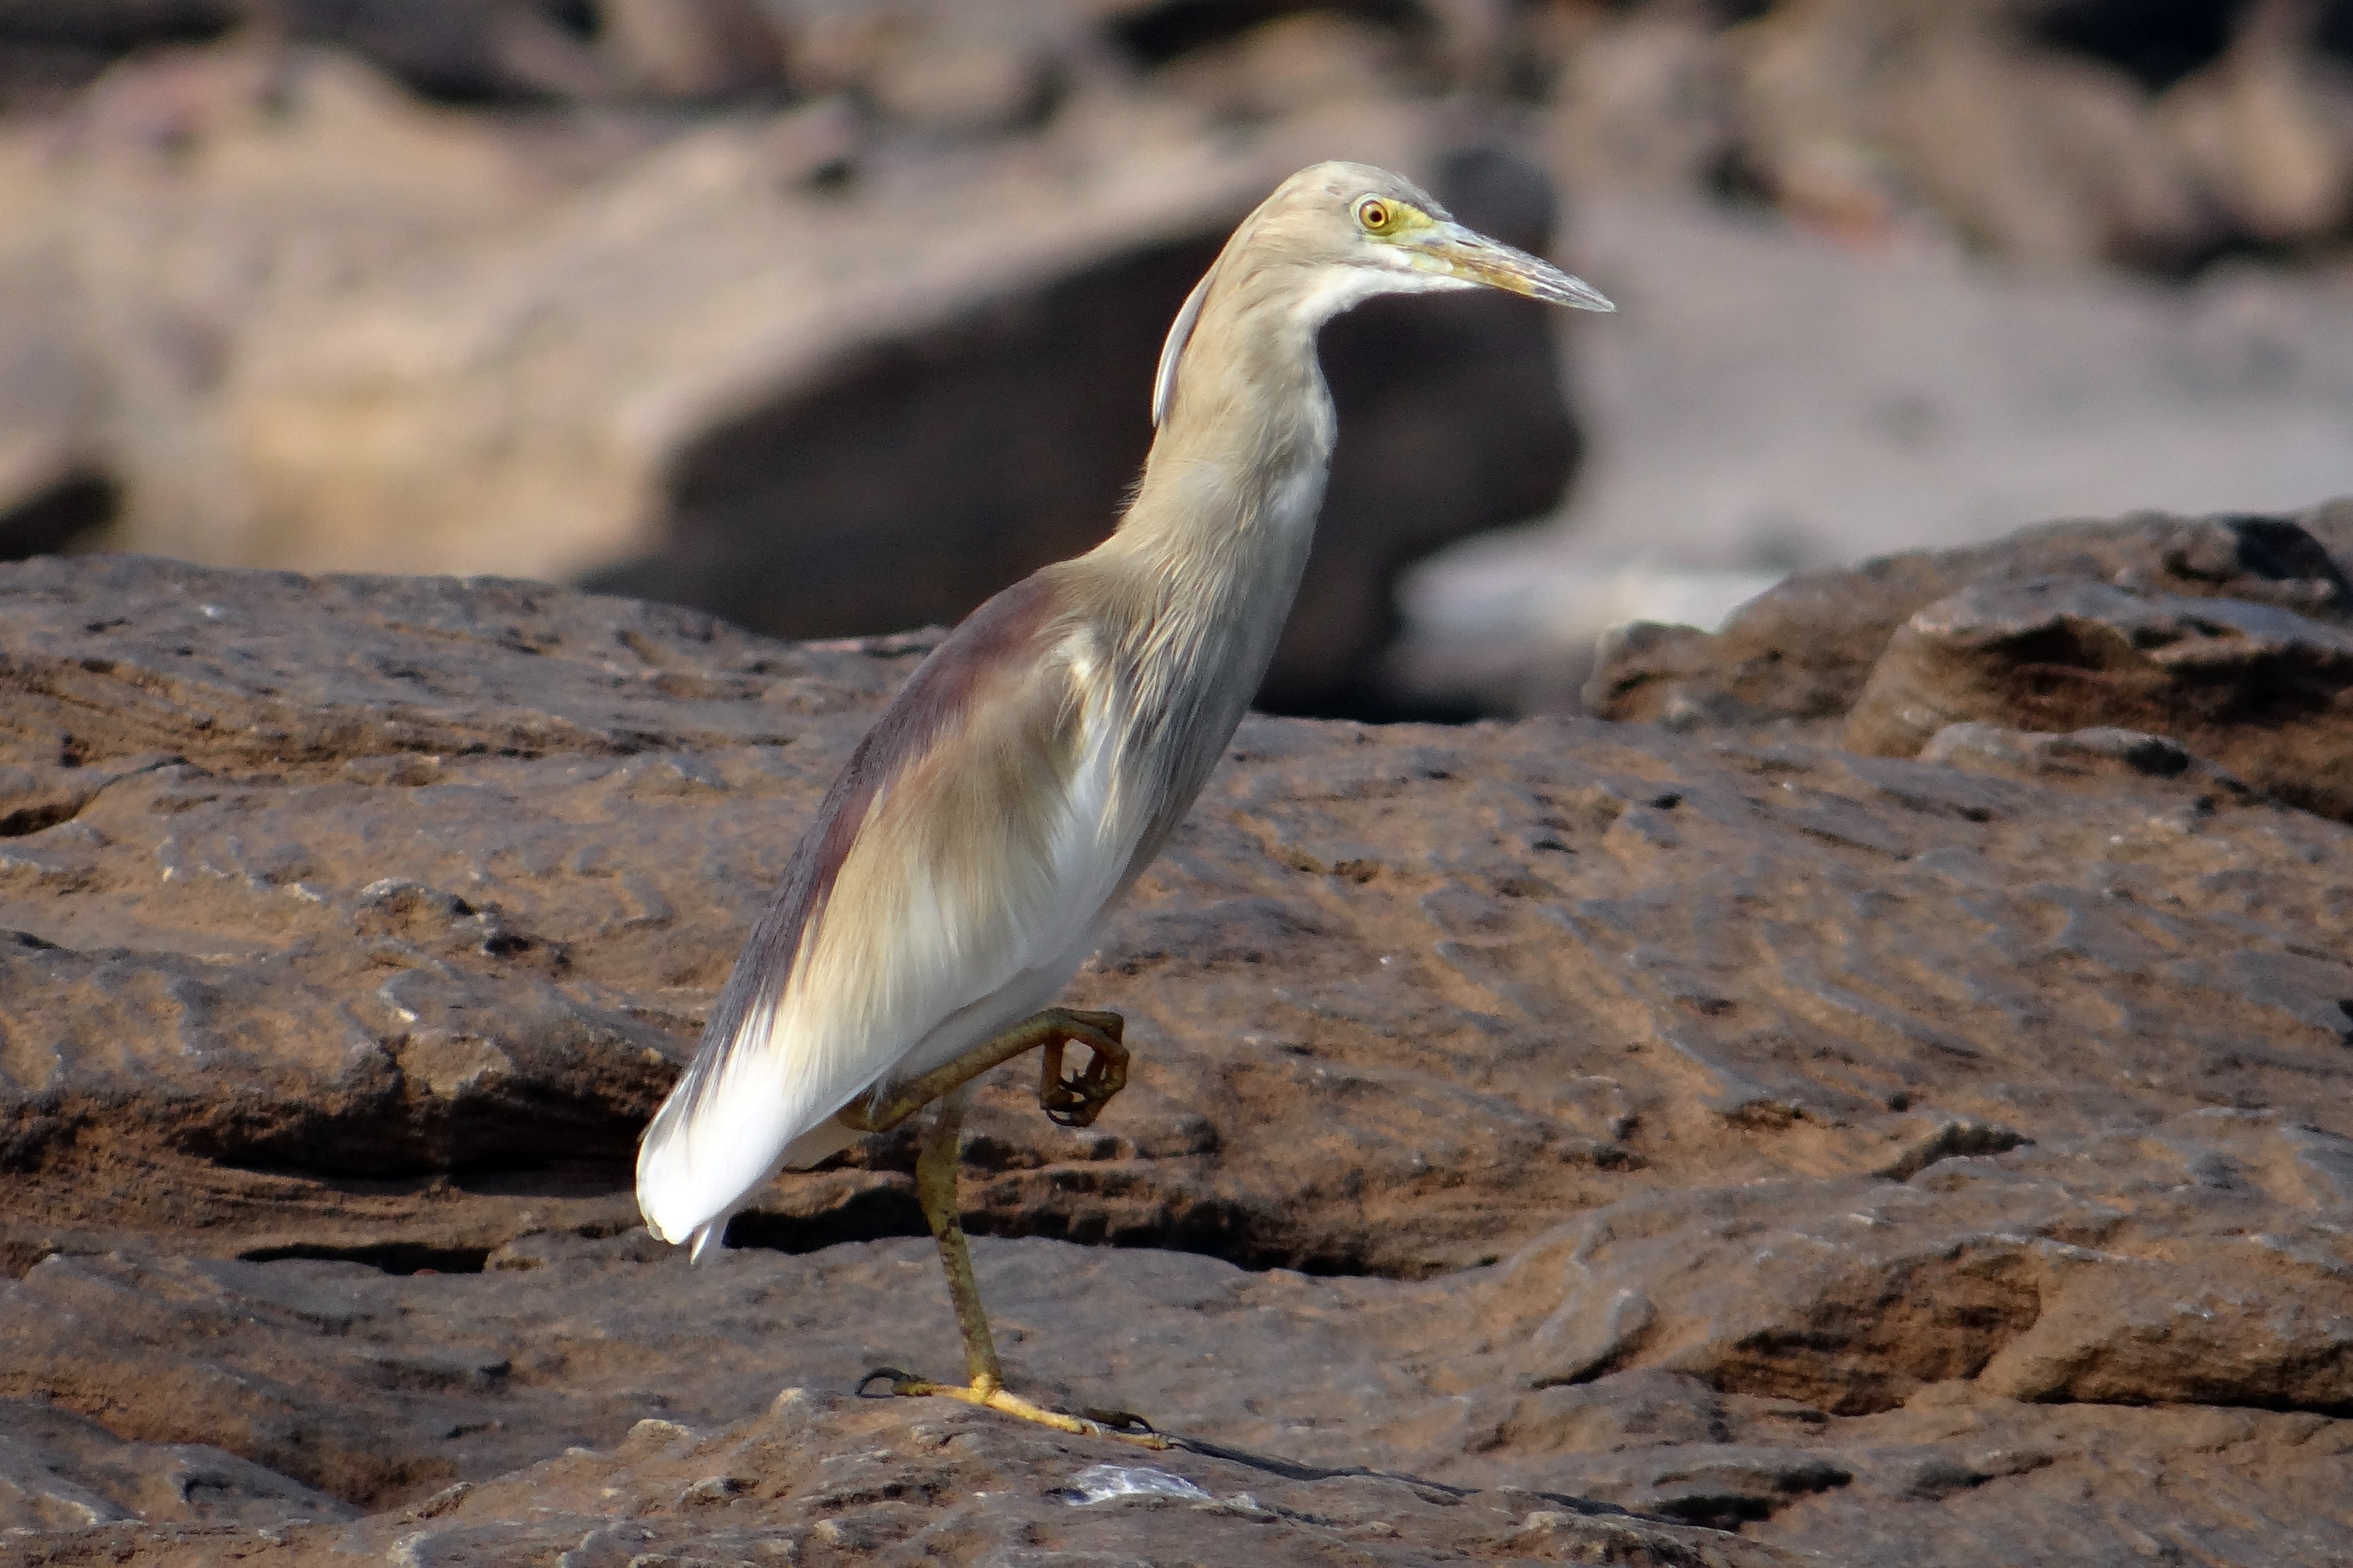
(1184, 604)
(1221, 523)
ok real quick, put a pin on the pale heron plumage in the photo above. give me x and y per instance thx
(960, 868)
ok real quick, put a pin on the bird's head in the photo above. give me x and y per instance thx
(1335, 235)
(1366, 231)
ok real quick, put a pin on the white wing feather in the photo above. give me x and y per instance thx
(1172, 351)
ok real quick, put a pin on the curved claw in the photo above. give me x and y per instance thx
(1070, 1106)
(1076, 1100)
(1120, 1423)
(900, 1381)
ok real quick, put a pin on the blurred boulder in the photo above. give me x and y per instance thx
(56, 500)
(194, 196)
(945, 69)
(2268, 128)
(2157, 45)
(2064, 133)
(691, 50)
(911, 477)
(2061, 132)
(50, 51)
(1281, 65)
(50, 48)
(115, 24)
(2045, 159)
(461, 49)
(55, 486)
(772, 365)
(1647, 101)
(1854, 110)
(470, 50)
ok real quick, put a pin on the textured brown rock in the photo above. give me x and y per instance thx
(1803, 651)
(2253, 688)
(2122, 1271)
(2102, 751)
(815, 1478)
(400, 1374)
(60, 1471)
(1901, 1161)
(448, 1399)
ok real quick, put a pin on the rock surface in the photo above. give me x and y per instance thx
(1905, 1160)
(1802, 652)
(2255, 688)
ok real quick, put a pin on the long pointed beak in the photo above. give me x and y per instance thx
(1466, 254)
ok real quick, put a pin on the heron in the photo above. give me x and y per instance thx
(962, 866)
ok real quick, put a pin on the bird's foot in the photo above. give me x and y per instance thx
(1076, 1100)
(1122, 1424)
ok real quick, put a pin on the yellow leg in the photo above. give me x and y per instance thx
(936, 1189)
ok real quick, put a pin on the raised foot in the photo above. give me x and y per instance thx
(1121, 1425)
(1076, 1098)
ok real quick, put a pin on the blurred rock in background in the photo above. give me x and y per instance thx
(1969, 264)
(834, 316)
(1769, 398)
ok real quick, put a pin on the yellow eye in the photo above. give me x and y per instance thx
(1376, 215)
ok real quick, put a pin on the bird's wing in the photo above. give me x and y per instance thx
(977, 832)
